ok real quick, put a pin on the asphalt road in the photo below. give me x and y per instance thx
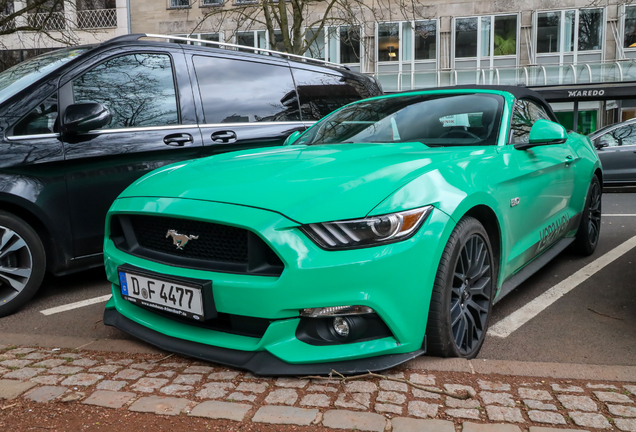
(594, 323)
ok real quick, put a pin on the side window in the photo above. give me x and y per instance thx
(42, 120)
(524, 115)
(138, 89)
(321, 93)
(625, 135)
(236, 91)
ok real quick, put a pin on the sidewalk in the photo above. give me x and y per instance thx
(423, 395)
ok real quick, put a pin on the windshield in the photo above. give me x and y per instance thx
(26, 73)
(434, 120)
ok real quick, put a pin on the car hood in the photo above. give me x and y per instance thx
(305, 183)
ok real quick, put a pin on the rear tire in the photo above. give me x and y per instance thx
(462, 293)
(22, 263)
(589, 230)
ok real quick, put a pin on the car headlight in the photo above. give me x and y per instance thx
(370, 231)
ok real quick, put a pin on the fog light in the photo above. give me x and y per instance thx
(341, 326)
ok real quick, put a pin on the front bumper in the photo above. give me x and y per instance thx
(395, 280)
(258, 362)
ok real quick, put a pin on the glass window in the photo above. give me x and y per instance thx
(350, 44)
(524, 115)
(211, 2)
(425, 40)
(630, 27)
(505, 42)
(212, 37)
(407, 41)
(466, 37)
(570, 17)
(622, 136)
(459, 120)
(548, 25)
(590, 29)
(235, 91)
(245, 39)
(179, 3)
(22, 75)
(317, 48)
(485, 36)
(388, 42)
(41, 120)
(320, 93)
(144, 93)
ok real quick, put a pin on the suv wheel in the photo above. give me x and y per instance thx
(22, 263)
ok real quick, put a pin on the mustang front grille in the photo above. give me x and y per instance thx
(194, 244)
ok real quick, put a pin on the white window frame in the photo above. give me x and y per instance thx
(480, 59)
(575, 52)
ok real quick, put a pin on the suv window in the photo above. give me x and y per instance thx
(236, 91)
(321, 93)
(523, 117)
(41, 120)
(138, 89)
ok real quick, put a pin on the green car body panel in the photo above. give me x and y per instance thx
(273, 191)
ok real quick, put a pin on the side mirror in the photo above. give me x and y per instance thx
(544, 132)
(600, 144)
(292, 138)
(84, 117)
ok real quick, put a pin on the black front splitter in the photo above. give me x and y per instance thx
(258, 362)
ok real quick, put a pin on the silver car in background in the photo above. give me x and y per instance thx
(616, 147)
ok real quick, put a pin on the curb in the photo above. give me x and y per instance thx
(475, 366)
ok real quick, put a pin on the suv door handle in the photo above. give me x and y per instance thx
(177, 140)
(224, 137)
(568, 159)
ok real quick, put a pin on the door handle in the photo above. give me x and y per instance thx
(225, 137)
(568, 159)
(177, 140)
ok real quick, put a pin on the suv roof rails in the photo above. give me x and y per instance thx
(124, 38)
(134, 37)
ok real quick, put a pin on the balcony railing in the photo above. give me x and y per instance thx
(47, 21)
(534, 75)
(7, 26)
(97, 19)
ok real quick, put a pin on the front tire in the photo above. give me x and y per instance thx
(590, 226)
(22, 263)
(462, 293)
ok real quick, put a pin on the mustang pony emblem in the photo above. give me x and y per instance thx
(180, 240)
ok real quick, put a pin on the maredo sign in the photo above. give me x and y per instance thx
(585, 93)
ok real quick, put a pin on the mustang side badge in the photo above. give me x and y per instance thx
(180, 240)
(514, 202)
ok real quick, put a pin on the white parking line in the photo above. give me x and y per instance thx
(512, 322)
(618, 214)
(75, 305)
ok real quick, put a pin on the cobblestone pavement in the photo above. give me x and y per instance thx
(177, 386)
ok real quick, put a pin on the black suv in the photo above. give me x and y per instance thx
(80, 124)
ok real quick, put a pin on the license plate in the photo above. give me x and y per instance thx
(167, 296)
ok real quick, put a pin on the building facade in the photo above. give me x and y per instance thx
(75, 22)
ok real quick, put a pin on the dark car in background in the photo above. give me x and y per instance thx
(78, 125)
(616, 147)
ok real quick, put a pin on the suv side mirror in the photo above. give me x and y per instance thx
(292, 138)
(84, 117)
(544, 132)
(599, 144)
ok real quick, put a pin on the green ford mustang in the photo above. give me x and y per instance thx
(386, 230)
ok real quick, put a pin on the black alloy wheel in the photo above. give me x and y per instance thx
(594, 213)
(462, 294)
(470, 295)
(589, 231)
